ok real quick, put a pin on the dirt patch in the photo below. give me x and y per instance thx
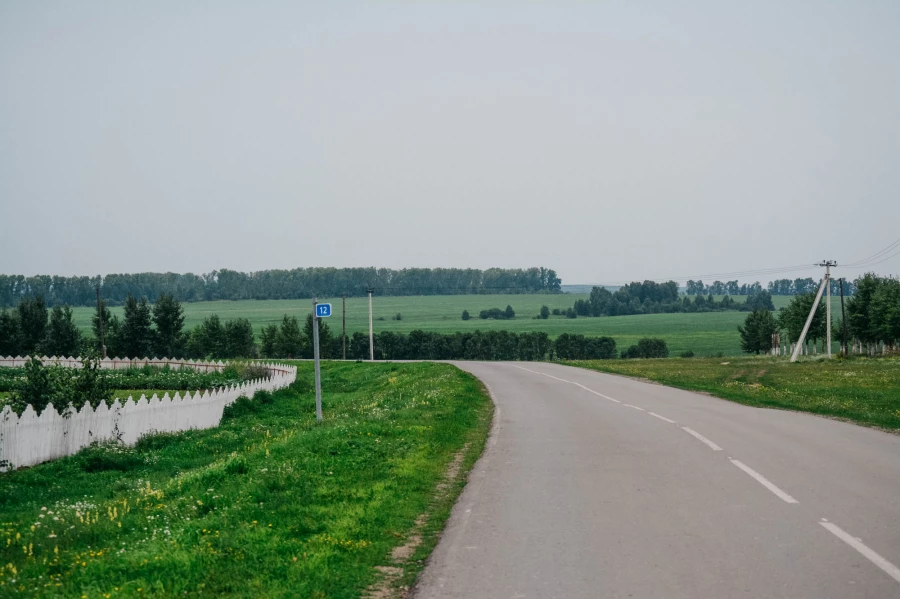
(386, 586)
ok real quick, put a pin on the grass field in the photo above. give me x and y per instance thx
(866, 391)
(269, 504)
(704, 333)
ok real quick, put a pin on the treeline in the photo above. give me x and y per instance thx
(158, 331)
(650, 297)
(873, 317)
(777, 287)
(296, 283)
(809, 285)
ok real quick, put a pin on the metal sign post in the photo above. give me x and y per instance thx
(319, 311)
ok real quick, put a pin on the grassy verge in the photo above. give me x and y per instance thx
(861, 390)
(269, 504)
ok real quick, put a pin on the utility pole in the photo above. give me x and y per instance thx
(316, 356)
(100, 319)
(812, 312)
(369, 290)
(844, 349)
(828, 264)
(344, 326)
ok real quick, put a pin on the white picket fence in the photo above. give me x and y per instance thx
(30, 439)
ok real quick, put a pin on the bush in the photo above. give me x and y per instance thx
(570, 313)
(242, 406)
(465, 315)
(647, 348)
(556, 312)
(578, 347)
(397, 316)
(545, 312)
(687, 354)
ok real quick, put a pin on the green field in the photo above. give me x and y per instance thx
(704, 333)
(268, 504)
(865, 391)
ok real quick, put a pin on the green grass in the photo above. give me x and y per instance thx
(866, 391)
(269, 504)
(705, 334)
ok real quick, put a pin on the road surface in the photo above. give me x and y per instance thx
(594, 485)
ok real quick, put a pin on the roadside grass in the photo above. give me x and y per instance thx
(862, 390)
(268, 504)
(705, 334)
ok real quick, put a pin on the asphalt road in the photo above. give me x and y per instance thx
(594, 485)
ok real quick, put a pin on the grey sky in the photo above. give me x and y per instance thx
(611, 141)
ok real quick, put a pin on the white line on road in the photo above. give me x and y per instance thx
(662, 417)
(570, 382)
(628, 405)
(691, 431)
(892, 570)
(764, 482)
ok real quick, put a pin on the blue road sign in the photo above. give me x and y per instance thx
(323, 310)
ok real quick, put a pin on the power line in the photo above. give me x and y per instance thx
(866, 261)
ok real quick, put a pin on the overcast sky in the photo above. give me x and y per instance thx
(610, 141)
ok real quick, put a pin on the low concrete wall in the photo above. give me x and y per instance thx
(30, 439)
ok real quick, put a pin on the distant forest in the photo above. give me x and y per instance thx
(298, 283)
(778, 287)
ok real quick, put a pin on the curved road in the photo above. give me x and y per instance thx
(595, 485)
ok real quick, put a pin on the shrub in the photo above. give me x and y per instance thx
(556, 312)
(397, 316)
(545, 312)
(242, 406)
(687, 354)
(465, 315)
(647, 348)
(570, 313)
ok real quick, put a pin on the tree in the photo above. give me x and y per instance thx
(268, 339)
(325, 338)
(239, 342)
(465, 315)
(289, 343)
(10, 342)
(761, 300)
(545, 312)
(756, 334)
(510, 313)
(859, 309)
(207, 340)
(792, 318)
(32, 324)
(136, 336)
(570, 313)
(647, 348)
(63, 337)
(168, 316)
(885, 311)
(101, 323)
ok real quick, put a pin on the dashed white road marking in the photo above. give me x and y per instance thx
(570, 382)
(764, 482)
(662, 417)
(628, 405)
(891, 570)
(691, 431)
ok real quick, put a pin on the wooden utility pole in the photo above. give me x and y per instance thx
(344, 326)
(844, 349)
(100, 320)
(369, 290)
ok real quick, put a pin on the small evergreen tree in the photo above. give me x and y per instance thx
(168, 316)
(32, 324)
(207, 340)
(509, 313)
(756, 334)
(63, 337)
(239, 342)
(545, 312)
(101, 323)
(268, 339)
(465, 315)
(326, 341)
(10, 342)
(136, 336)
(289, 343)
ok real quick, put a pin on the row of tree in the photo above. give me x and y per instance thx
(276, 284)
(873, 316)
(654, 298)
(722, 288)
(809, 285)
